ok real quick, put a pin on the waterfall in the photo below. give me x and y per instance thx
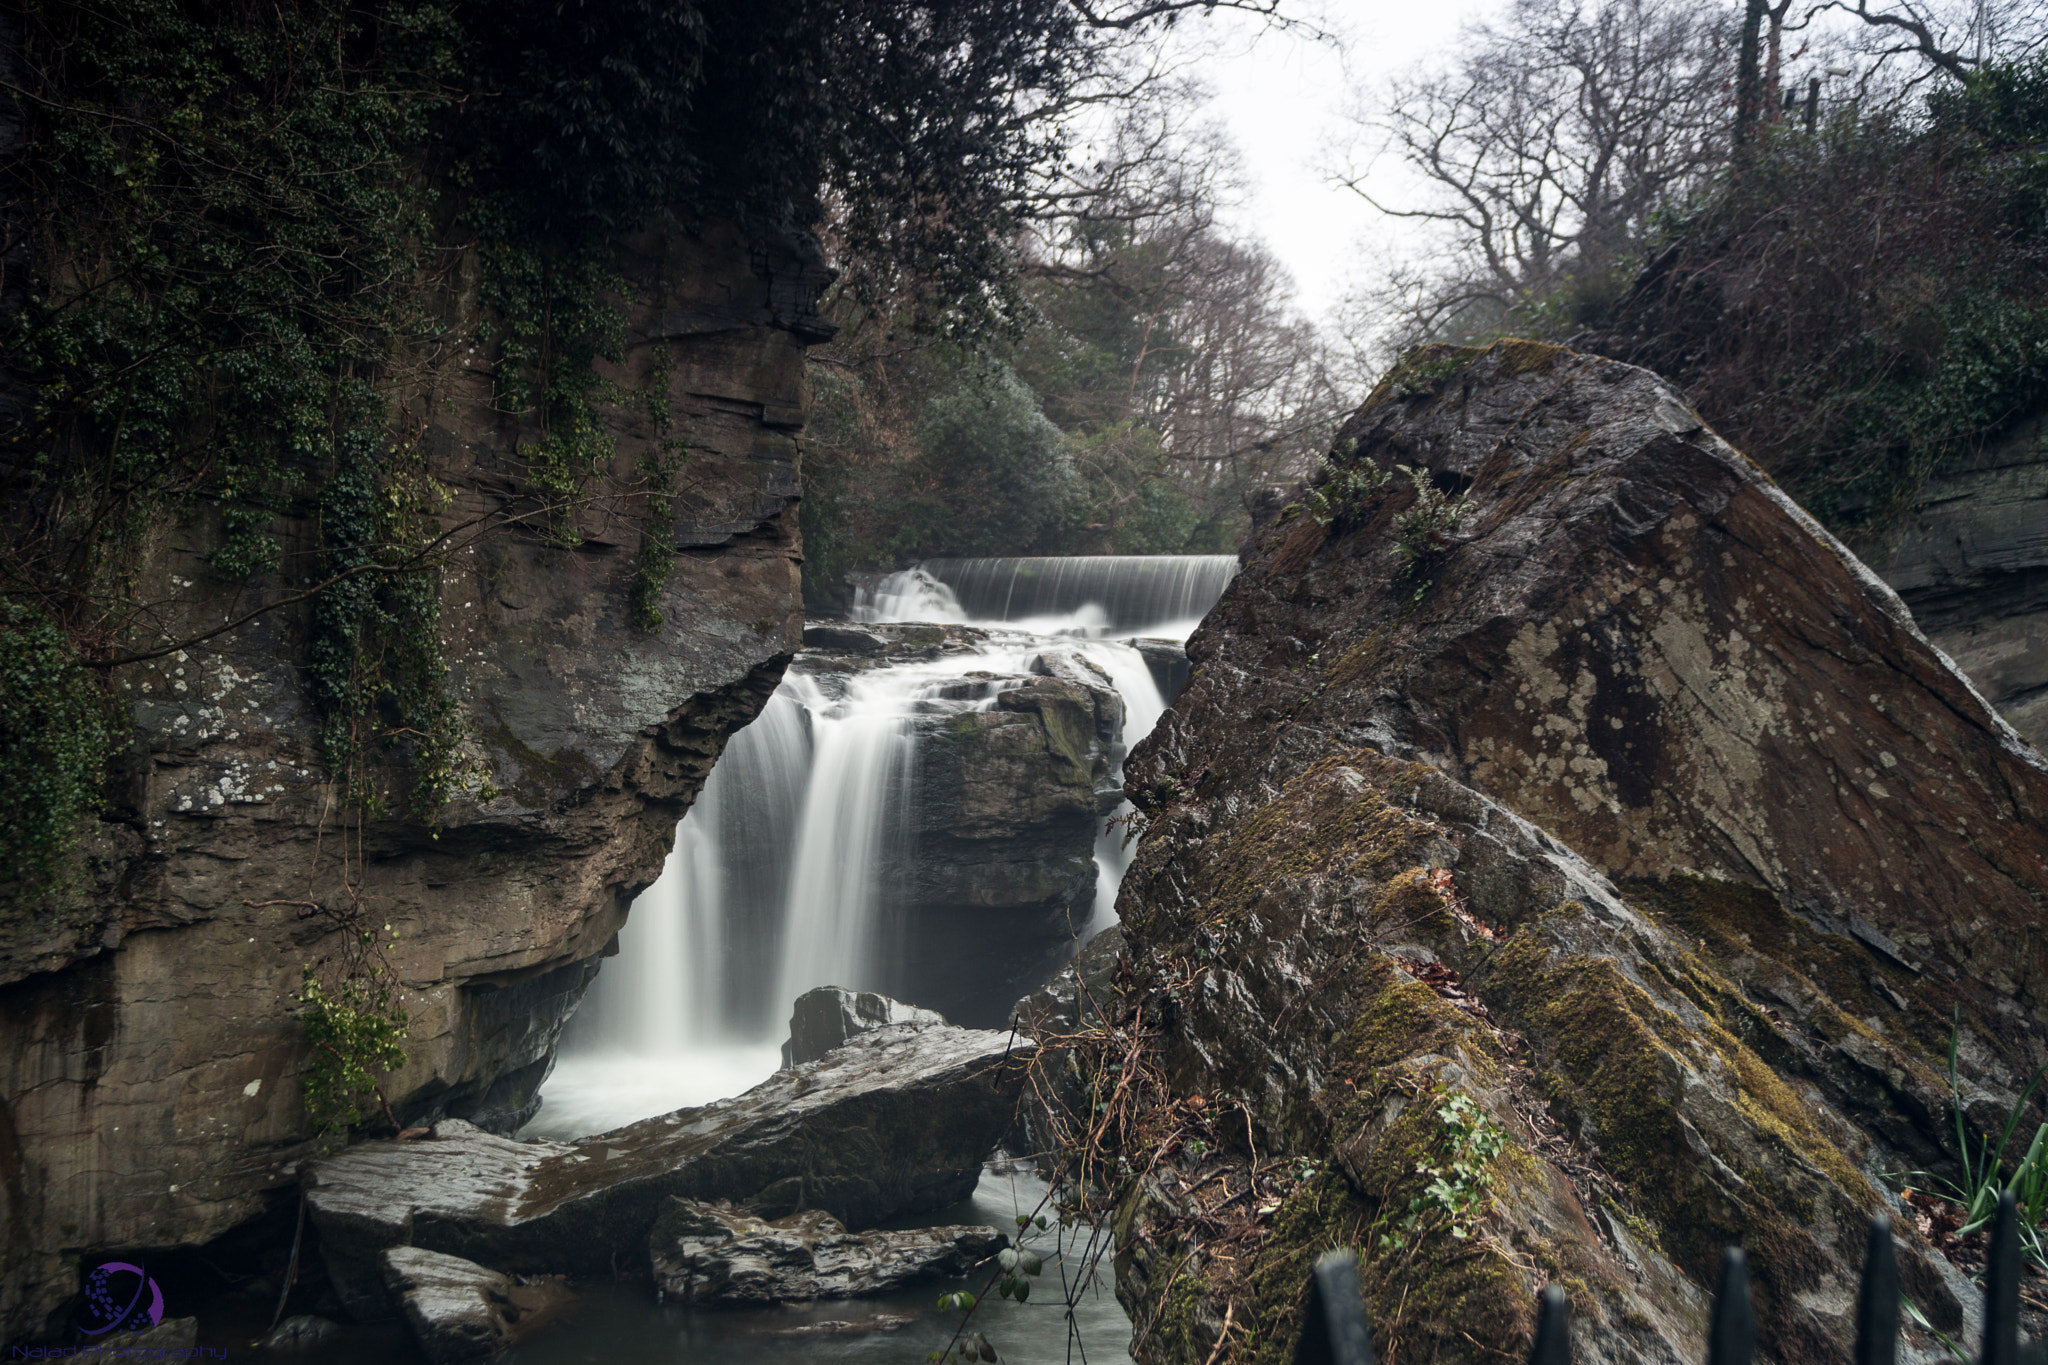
(1092, 595)
(774, 885)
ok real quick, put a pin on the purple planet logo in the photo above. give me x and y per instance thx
(119, 1295)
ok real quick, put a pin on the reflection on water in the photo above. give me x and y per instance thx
(613, 1323)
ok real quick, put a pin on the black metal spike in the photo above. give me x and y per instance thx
(2002, 1288)
(1877, 1302)
(1336, 1330)
(1553, 1345)
(1733, 1340)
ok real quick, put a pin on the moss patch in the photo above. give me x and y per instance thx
(1618, 1063)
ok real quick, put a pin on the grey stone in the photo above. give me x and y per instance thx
(457, 1310)
(895, 1122)
(714, 1253)
(835, 639)
(824, 1018)
(1972, 563)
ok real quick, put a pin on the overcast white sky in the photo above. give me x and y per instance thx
(1283, 98)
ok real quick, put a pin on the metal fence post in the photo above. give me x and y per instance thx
(1335, 1330)
(1877, 1299)
(1733, 1339)
(1553, 1344)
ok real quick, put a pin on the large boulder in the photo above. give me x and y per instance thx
(895, 1122)
(1562, 892)
(716, 1254)
(1016, 764)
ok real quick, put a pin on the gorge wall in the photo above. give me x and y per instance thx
(1556, 894)
(1972, 563)
(148, 1046)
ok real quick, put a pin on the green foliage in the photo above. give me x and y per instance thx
(997, 469)
(1865, 306)
(57, 728)
(1427, 526)
(1341, 491)
(2003, 102)
(1976, 1194)
(1456, 1194)
(357, 1033)
(375, 665)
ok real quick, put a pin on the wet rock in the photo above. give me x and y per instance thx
(826, 1017)
(1082, 994)
(300, 1332)
(1627, 821)
(149, 1045)
(999, 866)
(457, 1310)
(836, 639)
(716, 1254)
(895, 1122)
(1167, 660)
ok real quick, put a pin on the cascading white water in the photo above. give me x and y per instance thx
(1090, 595)
(774, 883)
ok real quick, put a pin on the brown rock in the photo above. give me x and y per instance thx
(1634, 815)
(148, 1050)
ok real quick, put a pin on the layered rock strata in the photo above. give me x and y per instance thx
(148, 1051)
(895, 1122)
(1972, 563)
(1559, 893)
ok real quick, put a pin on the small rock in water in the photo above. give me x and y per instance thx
(826, 1017)
(457, 1309)
(880, 1322)
(299, 1333)
(707, 1253)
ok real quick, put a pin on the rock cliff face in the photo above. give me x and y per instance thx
(1559, 897)
(148, 1052)
(1972, 563)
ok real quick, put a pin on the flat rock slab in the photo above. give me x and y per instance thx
(895, 1122)
(709, 1254)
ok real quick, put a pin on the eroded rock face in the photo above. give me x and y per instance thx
(148, 1053)
(1632, 823)
(897, 1121)
(715, 1254)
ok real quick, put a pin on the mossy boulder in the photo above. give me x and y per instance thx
(1633, 829)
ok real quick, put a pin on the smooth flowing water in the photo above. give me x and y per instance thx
(775, 886)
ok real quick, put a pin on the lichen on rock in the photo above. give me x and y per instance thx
(1637, 822)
